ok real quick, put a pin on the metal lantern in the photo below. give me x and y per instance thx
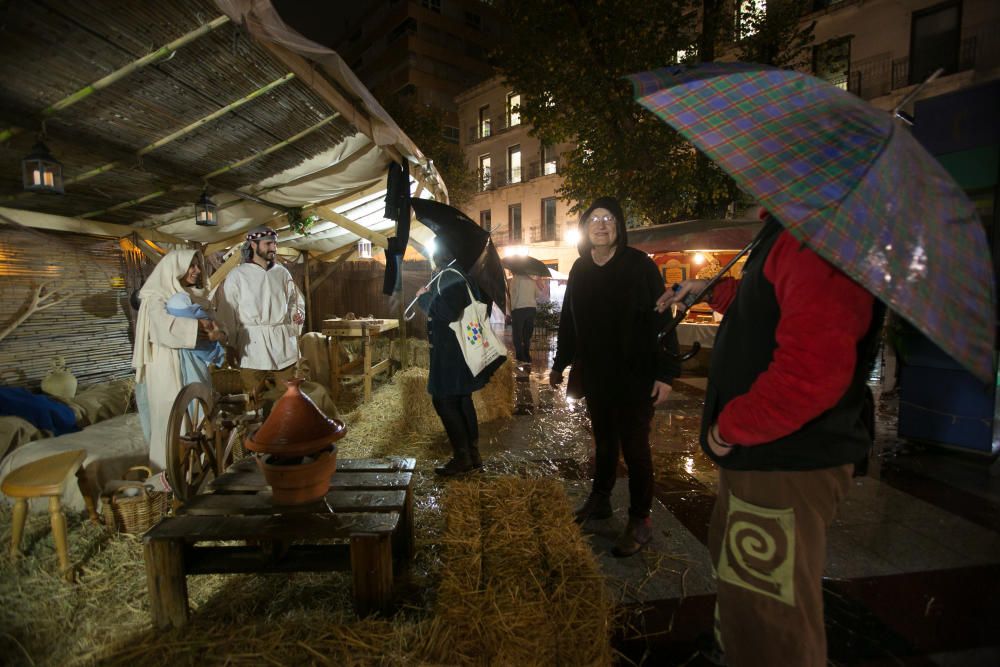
(40, 172)
(206, 212)
(364, 249)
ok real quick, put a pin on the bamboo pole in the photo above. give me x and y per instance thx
(217, 172)
(376, 238)
(122, 72)
(159, 143)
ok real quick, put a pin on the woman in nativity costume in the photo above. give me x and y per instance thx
(167, 354)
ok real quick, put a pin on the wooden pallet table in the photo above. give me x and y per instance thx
(363, 525)
(337, 331)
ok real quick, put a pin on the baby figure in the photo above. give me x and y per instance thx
(209, 351)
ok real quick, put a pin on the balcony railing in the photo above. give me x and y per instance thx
(544, 234)
(491, 179)
(490, 127)
(881, 74)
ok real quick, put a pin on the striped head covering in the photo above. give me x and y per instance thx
(256, 234)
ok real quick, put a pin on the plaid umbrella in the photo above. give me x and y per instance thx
(849, 182)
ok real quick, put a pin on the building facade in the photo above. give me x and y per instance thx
(428, 49)
(518, 177)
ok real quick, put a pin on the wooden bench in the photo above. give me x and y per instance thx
(368, 512)
(45, 477)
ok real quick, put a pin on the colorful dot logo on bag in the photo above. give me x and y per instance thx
(474, 333)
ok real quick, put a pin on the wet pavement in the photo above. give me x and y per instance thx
(913, 572)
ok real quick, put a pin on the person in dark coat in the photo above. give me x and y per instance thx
(450, 382)
(608, 332)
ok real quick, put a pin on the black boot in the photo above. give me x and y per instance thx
(474, 457)
(598, 506)
(459, 464)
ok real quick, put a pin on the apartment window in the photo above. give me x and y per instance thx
(514, 219)
(548, 160)
(749, 14)
(832, 61)
(548, 219)
(513, 109)
(484, 121)
(485, 177)
(407, 27)
(486, 219)
(450, 134)
(514, 164)
(433, 5)
(474, 20)
(934, 40)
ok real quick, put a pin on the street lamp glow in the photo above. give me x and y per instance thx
(431, 246)
(572, 236)
(698, 258)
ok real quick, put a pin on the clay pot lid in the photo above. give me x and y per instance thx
(295, 427)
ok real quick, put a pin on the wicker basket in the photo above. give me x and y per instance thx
(130, 506)
(227, 381)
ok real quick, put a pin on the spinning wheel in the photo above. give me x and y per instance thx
(199, 446)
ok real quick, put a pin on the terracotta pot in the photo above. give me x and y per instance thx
(295, 427)
(298, 483)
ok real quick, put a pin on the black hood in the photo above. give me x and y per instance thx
(611, 204)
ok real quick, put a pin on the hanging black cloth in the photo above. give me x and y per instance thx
(397, 208)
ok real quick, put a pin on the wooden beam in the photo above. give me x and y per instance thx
(308, 294)
(334, 254)
(227, 266)
(122, 72)
(375, 237)
(77, 226)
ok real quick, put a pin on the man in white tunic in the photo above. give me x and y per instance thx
(260, 303)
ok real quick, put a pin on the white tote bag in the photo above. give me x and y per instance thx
(479, 345)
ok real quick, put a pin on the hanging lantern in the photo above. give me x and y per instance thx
(206, 213)
(364, 249)
(40, 172)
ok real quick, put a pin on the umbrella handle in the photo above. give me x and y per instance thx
(409, 313)
(693, 298)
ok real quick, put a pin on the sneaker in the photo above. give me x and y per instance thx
(597, 507)
(636, 535)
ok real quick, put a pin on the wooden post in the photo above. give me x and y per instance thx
(58, 520)
(20, 514)
(404, 361)
(168, 595)
(371, 564)
(366, 351)
(309, 308)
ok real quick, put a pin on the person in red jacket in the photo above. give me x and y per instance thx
(783, 421)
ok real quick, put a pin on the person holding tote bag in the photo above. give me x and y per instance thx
(450, 382)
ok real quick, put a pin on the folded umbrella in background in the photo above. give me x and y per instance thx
(471, 244)
(849, 182)
(525, 265)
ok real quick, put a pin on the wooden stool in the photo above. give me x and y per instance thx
(44, 477)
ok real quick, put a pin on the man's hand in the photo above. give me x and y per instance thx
(299, 317)
(661, 390)
(555, 378)
(676, 293)
(718, 446)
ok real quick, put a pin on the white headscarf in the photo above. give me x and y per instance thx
(163, 283)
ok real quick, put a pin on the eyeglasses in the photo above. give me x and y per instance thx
(598, 219)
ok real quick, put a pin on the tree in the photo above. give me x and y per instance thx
(425, 126)
(568, 60)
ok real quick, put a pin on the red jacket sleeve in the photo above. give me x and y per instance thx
(722, 294)
(824, 315)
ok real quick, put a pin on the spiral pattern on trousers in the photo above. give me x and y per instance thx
(757, 548)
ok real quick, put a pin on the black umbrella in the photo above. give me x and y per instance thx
(526, 265)
(469, 243)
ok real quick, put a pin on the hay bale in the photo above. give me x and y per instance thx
(519, 585)
(400, 420)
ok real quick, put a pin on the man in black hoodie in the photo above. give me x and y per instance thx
(608, 333)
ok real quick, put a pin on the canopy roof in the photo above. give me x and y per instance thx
(721, 234)
(147, 104)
